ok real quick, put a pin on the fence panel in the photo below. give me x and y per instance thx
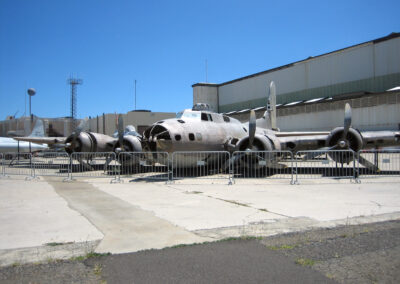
(262, 164)
(338, 164)
(201, 165)
(144, 165)
(51, 164)
(18, 164)
(378, 163)
(1, 164)
(97, 165)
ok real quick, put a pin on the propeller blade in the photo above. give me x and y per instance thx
(347, 120)
(367, 164)
(121, 132)
(252, 128)
(272, 104)
(82, 125)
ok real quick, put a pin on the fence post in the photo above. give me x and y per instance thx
(117, 174)
(69, 178)
(356, 166)
(292, 181)
(2, 172)
(230, 170)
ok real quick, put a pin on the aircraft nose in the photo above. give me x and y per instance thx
(159, 138)
(159, 132)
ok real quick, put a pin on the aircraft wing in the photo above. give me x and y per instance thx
(314, 141)
(43, 140)
(302, 142)
(298, 133)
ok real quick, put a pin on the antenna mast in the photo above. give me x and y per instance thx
(73, 82)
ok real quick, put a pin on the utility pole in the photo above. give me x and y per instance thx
(73, 82)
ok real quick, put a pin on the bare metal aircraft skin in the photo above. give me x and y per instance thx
(92, 142)
(199, 129)
(11, 145)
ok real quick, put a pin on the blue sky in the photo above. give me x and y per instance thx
(163, 45)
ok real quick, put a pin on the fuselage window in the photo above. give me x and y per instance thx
(226, 119)
(178, 137)
(191, 136)
(198, 136)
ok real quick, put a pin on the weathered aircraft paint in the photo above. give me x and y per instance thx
(198, 129)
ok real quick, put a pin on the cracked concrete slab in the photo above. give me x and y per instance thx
(126, 227)
(33, 214)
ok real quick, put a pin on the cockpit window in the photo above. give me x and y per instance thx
(188, 114)
(226, 119)
(204, 116)
(209, 117)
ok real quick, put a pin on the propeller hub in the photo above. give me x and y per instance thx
(342, 143)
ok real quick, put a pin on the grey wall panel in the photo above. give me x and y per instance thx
(287, 80)
(387, 57)
(381, 117)
(369, 67)
(344, 66)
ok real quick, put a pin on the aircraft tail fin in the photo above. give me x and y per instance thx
(272, 104)
(268, 120)
(38, 129)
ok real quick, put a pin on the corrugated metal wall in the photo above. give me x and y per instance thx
(369, 67)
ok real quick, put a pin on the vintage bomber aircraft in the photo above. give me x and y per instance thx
(199, 129)
(87, 141)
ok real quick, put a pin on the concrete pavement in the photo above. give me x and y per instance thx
(33, 214)
(137, 216)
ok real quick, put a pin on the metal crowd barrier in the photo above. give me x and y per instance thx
(378, 163)
(325, 164)
(206, 165)
(96, 165)
(1, 165)
(262, 164)
(143, 165)
(201, 165)
(51, 164)
(18, 164)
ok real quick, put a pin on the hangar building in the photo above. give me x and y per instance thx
(62, 127)
(367, 69)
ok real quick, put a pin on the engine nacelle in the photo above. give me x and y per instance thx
(353, 141)
(89, 142)
(84, 142)
(131, 144)
(261, 143)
